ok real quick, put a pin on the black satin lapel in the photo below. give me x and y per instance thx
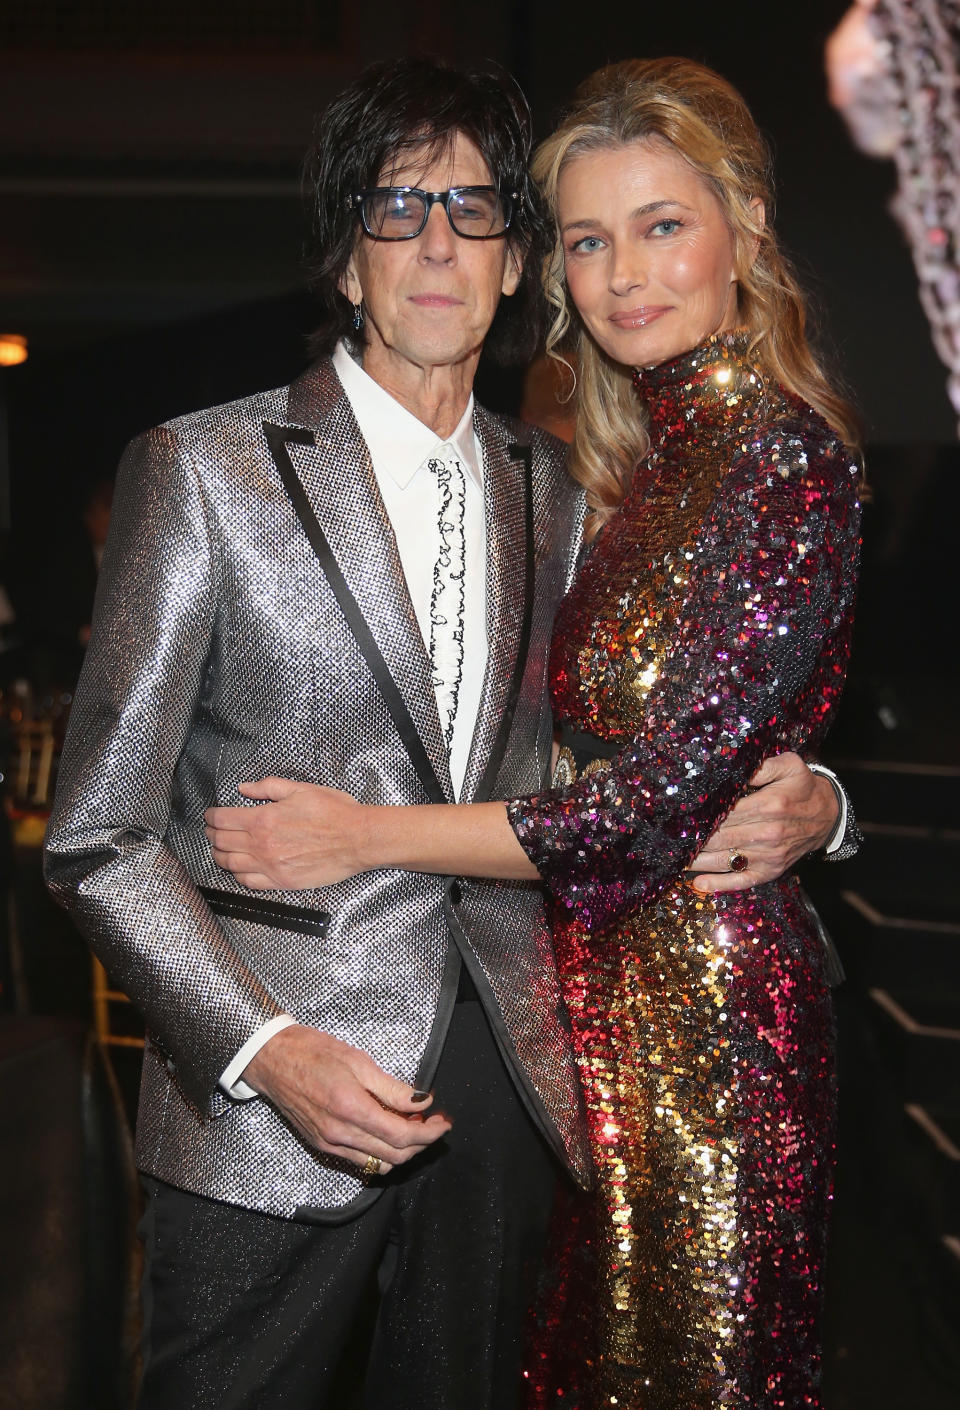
(508, 496)
(342, 514)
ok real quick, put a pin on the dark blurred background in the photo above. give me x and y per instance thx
(150, 231)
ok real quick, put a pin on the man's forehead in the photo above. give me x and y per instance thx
(453, 160)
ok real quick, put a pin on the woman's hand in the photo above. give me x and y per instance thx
(305, 836)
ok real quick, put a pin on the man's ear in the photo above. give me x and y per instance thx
(512, 270)
(349, 284)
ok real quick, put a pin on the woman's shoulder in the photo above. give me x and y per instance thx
(791, 441)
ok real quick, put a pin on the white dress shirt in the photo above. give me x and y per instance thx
(400, 447)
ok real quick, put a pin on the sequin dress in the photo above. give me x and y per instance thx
(708, 628)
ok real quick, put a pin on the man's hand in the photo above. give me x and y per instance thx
(307, 836)
(792, 812)
(340, 1101)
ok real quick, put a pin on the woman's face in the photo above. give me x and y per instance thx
(649, 257)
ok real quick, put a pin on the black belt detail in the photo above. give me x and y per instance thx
(586, 748)
(494, 759)
(263, 912)
(277, 437)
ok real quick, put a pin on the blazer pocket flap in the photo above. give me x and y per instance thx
(304, 919)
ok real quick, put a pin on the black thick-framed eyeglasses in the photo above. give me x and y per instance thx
(401, 212)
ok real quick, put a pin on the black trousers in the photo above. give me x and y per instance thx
(243, 1311)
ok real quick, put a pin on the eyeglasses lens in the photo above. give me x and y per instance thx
(393, 215)
(478, 213)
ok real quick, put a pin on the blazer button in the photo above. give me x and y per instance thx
(456, 893)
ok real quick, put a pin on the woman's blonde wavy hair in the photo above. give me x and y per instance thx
(704, 119)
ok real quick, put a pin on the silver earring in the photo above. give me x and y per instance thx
(358, 315)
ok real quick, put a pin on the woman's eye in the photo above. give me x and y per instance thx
(587, 245)
(668, 226)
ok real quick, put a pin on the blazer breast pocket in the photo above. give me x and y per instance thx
(278, 914)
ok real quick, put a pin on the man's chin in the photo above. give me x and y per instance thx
(439, 352)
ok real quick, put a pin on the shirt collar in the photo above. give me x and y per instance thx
(398, 442)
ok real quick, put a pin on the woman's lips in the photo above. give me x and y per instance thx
(639, 317)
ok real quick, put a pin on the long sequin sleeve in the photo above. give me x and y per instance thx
(106, 859)
(755, 667)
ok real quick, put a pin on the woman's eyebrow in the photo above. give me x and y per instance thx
(650, 208)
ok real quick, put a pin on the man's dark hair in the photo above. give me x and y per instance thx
(404, 105)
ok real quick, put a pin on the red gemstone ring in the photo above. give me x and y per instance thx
(739, 861)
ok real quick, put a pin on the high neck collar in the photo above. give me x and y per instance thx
(714, 385)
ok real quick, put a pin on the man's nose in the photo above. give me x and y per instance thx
(437, 239)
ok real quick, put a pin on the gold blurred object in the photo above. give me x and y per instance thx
(13, 349)
(35, 753)
(372, 1165)
(102, 995)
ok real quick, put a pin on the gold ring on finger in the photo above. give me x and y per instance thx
(372, 1165)
(738, 861)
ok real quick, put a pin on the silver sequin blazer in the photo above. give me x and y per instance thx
(250, 593)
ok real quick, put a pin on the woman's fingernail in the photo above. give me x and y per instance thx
(419, 1096)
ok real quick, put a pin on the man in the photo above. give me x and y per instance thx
(350, 581)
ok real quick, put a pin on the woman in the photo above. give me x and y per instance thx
(711, 620)
(709, 626)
